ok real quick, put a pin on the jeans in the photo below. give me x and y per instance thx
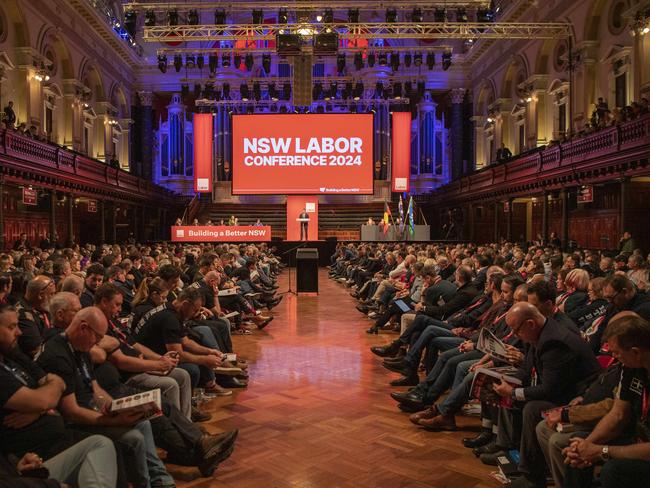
(176, 388)
(460, 391)
(90, 463)
(443, 373)
(412, 333)
(198, 374)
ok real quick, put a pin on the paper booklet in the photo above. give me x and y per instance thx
(229, 315)
(486, 378)
(231, 357)
(147, 402)
(227, 292)
(492, 345)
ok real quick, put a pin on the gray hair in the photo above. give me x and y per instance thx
(62, 301)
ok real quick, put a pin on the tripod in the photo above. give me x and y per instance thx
(290, 291)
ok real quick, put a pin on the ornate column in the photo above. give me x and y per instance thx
(457, 129)
(145, 131)
(480, 157)
(124, 154)
(29, 88)
(73, 106)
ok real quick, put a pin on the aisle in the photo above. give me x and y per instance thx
(317, 411)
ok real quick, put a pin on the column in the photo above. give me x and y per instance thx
(564, 196)
(622, 224)
(496, 220)
(124, 153)
(511, 203)
(469, 161)
(457, 129)
(102, 218)
(71, 236)
(2, 214)
(545, 216)
(53, 215)
(73, 109)
(145, 133)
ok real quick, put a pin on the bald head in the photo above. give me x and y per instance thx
(88, 327)
(526, 321)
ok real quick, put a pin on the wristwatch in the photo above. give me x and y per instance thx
(604, 454)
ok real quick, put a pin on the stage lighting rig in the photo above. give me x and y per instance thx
(249, 62)
(397, 90)
(131, 22)
(328, 16)
(340, 63)
(383, 59)
(236, 59)
(273, 93)
(371, 60)
(190, 62)
(408, 89)
(193, 17)
(172, 17)
(162, 63)
(266, 63)
(286, 91)
(358, 90)
(185, 90)
(353, 16)
(461, 15)
(440, 15)
(334, 88)
(408, 59)
(421, 88)
(213, 63)
(391, 16)
(197, 90)
(220, 17)
(258, 16)
(283, 16)
(431, 60)
(257, 91)
(200, 61)
(484, 15)
(347, 91)
(379, 90)
(394, 61)
(149, 18)
(178, 62)
(446, 61)
(417, 59)
(225, 60)
(243, 91)
(417, 15)
(226, 91)
(358, 60)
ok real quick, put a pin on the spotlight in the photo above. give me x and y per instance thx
(417, 16)
(172, 17)
(484, 15)
(220, 17)
(317, 91)
(197, 90)
(394, 61)
(461, 15)
(286, 91)
(358, 60)
(200, 61)
(266, 63)
(333, 89)
(258, 17)
(226, 91)
(421, 87)
(358, 90)
(283, 16)
(189, 62)
(379, 90)
(440, 15)
(383, 59)
(347, 91)
(236, 60)
(408, 89)
(257, 91)
(249, 61)
(371, 60)
(208, 92)
(446, 61)
(225, 60)
(431, 60)
(273, 93)
(213, 63)
(353, 16)
(407, 60)
(340, 62)
(130, 22)
(162, 63)
(397, 90)
(193, 17)
(391, 15)
(149, 18)
(185, 90)
(328, 16)
(243, 91)
(417, 59)
(178, 62)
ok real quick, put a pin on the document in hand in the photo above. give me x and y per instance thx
(147, 402)
(485, 378)
(229, 315)
(227, 292)
(492, 345)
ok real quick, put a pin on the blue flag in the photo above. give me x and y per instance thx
(402, 222)
(411, 219)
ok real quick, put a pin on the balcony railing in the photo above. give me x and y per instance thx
(44, 158)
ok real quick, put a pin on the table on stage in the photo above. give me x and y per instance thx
(376, 233)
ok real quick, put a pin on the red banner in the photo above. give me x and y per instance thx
(401, 151)
(295, 206)
(203, 153)
(302, 154)
(30, 196)
(586, 194)
(221, 233)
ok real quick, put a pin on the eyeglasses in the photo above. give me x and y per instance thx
(45, 284)
(612, 297)
(98, 336)
(515, 330)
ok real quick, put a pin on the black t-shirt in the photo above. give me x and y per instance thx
(635, 389)
(74, 367)
(42, 436)
(140, 309)
(160, 328)
(206, 291)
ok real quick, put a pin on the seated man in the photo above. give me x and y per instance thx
(626, 460)
(94, 278)
(32, 430)
(33, 313)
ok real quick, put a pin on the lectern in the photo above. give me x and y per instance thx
(307, 270)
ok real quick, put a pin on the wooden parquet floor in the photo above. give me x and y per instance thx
(317, 412)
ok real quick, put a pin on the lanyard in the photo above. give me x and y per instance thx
(15, 374)
(120, 335)
(83, 370)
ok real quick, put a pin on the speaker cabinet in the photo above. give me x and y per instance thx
(307, 270)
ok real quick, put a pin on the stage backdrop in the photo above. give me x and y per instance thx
(295, 204)
(302, 154)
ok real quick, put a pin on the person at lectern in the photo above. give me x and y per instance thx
(304, 225)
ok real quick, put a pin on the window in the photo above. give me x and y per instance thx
(620, 82)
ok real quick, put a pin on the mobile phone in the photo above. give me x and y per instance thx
(40, 473)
